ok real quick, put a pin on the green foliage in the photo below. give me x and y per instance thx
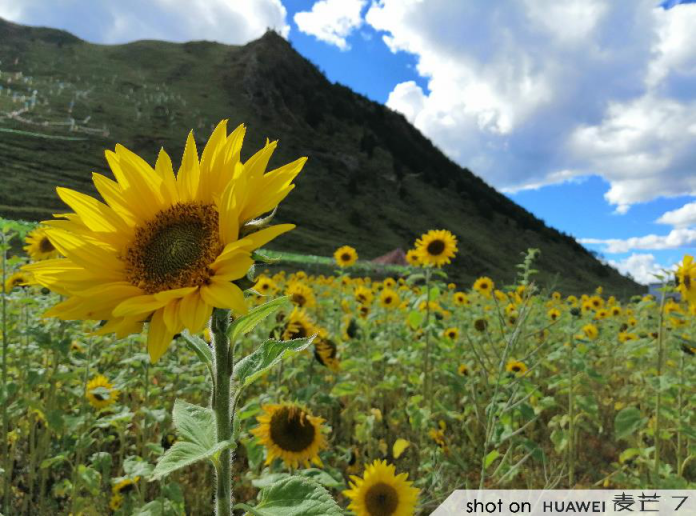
(294, 496)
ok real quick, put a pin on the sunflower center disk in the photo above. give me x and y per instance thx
(45, 246)
(381, 500)
(436, 247)
(291, 430)
(175, 249)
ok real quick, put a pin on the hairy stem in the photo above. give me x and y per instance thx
(221, 405)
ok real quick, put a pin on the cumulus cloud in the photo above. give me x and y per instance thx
(674, 240)
(106, 21)
(331, 21)
(641, 267)
(537, 92)
(681, 217)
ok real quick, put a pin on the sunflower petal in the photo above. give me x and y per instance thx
(189, 172)
(224, 295)
(194, 312)
(158, 336)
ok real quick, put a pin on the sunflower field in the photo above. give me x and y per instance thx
(156, 361)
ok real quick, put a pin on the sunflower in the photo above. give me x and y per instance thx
(265, 285)
(39, 246)
(484, 285)
(299, 325)
(363, 295)
(412, 258)
(615, 311)
(18, 279)
(125, 485)
(460, 298)
(100, 392)
(463, 370)
(480, 325)
(451, 333)
(516, 367)
(116, 502)
(554, 314)
(686, 279)
(301, 294)
(164, 248)
(437, 247)
(345, 256)
(389, 283)
(326, 353)
(388, 298)
(382, 492)
(363, 311)
(290, 433)
(590, 331)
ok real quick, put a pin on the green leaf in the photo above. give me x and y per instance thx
(490, 458)
(200, 348)
(247, 370)
(627, 422)
(294, 496)
(246, 323)
(344, 389)
(182, 454)
(415, 319)
(194, 423)
(196, 427)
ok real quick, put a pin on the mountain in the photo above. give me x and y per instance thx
(372, 180)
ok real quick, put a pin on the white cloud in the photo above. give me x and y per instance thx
(106, 21)
(331, 21)
(681, 217)
(674, 240)
(539, 92)
(641, 267)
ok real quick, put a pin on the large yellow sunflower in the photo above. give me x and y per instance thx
(165, 248)
(382, 492)
(101, 392)
(437, 247)
(345, 256)
(290, 433)
(39, 246)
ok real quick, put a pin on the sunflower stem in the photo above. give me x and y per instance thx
(224, 364)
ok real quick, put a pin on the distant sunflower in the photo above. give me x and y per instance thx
(290, 433)
(451, 333)
(686, 279)
(437, 247)
(388, 298)
(18, 279)
(615, 311)
(116, 502)
(463, 370)
(484, 285)
(165, 248)
(39, 246)
(301, 294)
(125, 486)
(480, 325)
(590, 331)
(299, 325)
(363, 311)
(265, 285)
(101, 392)
(412, 258)
(345, 256)
(381, 492)
(389, 283)
(364, 295)
(516, 367)
(460, 299)
(554, 314)
(326, 353)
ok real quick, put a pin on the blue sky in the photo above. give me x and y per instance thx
(582, 111)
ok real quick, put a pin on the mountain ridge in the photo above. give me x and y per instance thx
(372, 180)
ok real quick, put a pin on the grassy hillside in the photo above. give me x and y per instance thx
(372, 179)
